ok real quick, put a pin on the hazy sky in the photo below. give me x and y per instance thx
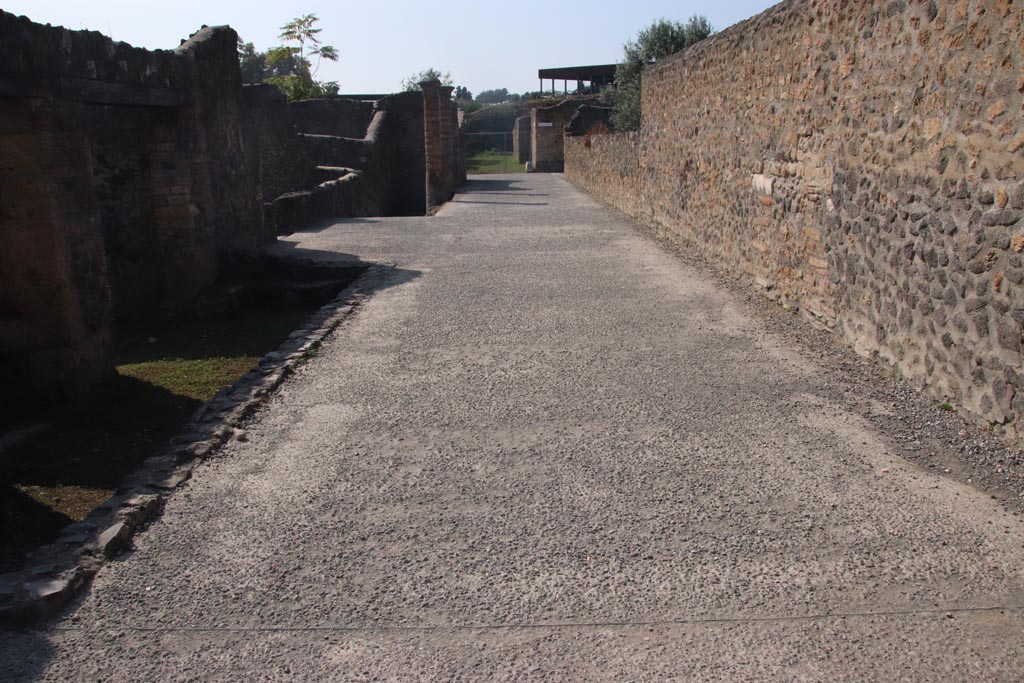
(483, 44)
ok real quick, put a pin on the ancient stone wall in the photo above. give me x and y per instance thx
(381, 172)
(332, 116)
(226, 154)
(54, 300)
(121, 145)
(547, 132)
(285, 165)
(590, 119)
(130, 179)
(607, 167)
(521, 139)
(153, 188)
(405, 128)
(433, 149)
(862, 161)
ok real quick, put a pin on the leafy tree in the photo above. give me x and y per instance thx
(288, 66)
(300, 88)
(659, 40)
(462, 94)
(496, 96)
(304, 30)
(412, 83)
(252, 64)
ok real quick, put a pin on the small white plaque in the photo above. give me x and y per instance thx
(545, 124)
(763, 184)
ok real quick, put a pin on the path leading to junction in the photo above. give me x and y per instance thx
(547, 449)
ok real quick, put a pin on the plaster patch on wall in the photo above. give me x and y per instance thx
(764, 184)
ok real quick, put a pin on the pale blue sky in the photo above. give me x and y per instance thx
(483, 44)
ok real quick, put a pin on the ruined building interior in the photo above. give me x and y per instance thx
(131, 179)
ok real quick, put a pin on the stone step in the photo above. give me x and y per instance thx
(332, 150)
(326, 173)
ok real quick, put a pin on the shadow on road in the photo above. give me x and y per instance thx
(492, 185)
(24, 655)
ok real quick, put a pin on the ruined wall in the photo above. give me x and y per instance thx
(317, 176)
(449, 140)
(590, 119)
(226, 154)
(172, 173)
(861, 160)
(332, 116)
(521, 139)
(607, 167)
(408, 157)
(284, 166)
(154, 186)
(547, 132)
(433, 151)
(121, 145)
(54, 301)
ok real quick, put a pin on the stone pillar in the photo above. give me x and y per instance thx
(533, 138)
(432, 145)
(521, 140)
(449, 124)
(54, 295)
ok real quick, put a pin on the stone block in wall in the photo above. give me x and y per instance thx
(763, 184)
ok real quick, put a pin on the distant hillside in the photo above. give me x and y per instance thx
(502, 117)
(496, 118)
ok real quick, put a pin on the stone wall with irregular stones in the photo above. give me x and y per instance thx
(521, 139)
(285, 165)
(332, 116)
(547, 132)
(607, 167)
(127, 179)
(863, 161)
(54, 299)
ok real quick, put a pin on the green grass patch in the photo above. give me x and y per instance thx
(493, 162)
(165, 371)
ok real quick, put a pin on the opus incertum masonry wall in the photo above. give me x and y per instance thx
(130, 179)
(862, 159)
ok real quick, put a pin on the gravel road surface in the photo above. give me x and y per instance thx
(548, 449)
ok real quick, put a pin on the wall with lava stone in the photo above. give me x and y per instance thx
(863, 161)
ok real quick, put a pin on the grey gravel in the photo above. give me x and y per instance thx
(546, 449)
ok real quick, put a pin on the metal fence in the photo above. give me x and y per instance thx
(495, 142)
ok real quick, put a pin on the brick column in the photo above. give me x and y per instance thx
(449, 122)
(432, 145)
(533, 138)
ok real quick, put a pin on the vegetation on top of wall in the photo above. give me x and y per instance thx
(659, 40)
(290, 67)
(412, 83)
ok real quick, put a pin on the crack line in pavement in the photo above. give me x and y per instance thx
(538, 626)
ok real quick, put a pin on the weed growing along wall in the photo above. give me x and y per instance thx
(863, 160)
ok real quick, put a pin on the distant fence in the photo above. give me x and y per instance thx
(499, 142)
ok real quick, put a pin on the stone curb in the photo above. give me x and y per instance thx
(54, 574)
